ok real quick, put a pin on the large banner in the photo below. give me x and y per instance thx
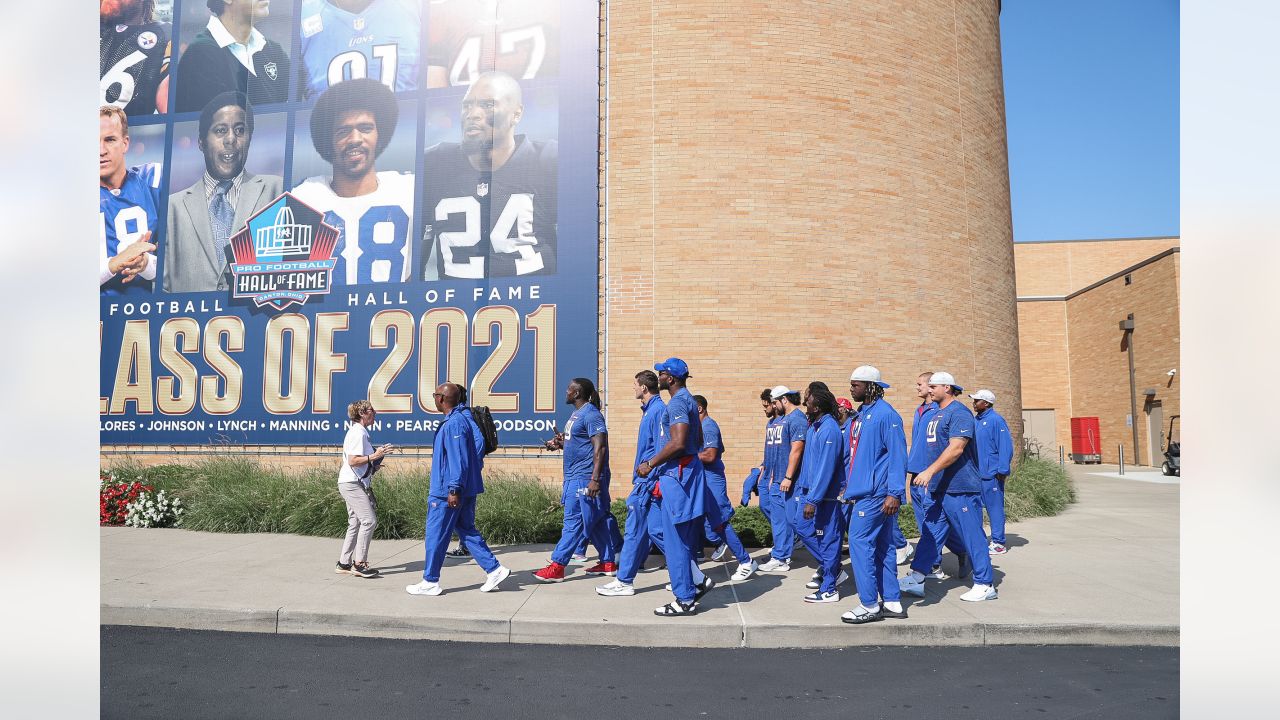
(309, 202)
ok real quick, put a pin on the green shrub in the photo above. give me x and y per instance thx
(1037, 488)
(238, 494)
(517, 509)
(907, 521)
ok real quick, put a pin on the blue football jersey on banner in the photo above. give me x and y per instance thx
(381, 43)
(125, 216)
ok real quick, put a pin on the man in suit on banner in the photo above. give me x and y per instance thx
(203, 217)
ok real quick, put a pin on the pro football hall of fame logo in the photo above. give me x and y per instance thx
(284, 255)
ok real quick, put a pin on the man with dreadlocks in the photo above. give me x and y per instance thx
(817, 517)
(134, 53)
(876, 472)
(585, 492)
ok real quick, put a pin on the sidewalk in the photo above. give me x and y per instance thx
(1105, 572)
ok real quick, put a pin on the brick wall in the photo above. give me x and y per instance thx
(1046, 367)
(1099, 363)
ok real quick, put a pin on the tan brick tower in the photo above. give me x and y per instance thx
(794, 189)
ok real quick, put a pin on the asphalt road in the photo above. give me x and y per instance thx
(164, 673)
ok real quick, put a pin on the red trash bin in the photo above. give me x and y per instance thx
(1086, 441)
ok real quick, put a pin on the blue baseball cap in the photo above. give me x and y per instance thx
(675, 366)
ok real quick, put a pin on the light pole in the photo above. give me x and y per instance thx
(1126, 326)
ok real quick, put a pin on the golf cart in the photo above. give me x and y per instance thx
(1172, 451)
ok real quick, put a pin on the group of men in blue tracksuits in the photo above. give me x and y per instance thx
(957, 466)
(678, 494)
(830, 468)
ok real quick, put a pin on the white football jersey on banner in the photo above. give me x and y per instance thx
(373, 241)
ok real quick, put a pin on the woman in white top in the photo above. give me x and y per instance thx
(355, 483)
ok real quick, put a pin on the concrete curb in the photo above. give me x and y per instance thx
(682, 633)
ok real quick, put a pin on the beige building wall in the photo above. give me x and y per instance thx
(1046, 365)
(1099, 362)
(1061, 267)
(795, 189)
(1073, 359)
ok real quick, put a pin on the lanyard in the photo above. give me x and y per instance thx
(855, 434)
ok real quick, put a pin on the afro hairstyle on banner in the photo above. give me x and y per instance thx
(348, 96)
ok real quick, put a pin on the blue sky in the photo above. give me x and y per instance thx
(1091, 94)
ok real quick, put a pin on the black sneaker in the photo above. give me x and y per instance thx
(458, 552)
(363, 570)
(341, 569)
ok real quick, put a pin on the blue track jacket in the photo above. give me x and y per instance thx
(454, 461)
(648, 440)
(879, 466)
(995, 444)
(821, 474)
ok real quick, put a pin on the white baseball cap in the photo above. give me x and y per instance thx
(868, 373)
(944, 378)
(779, 391)
(985, 395)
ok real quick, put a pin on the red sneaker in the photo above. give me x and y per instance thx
(604, 568)
(551, 573)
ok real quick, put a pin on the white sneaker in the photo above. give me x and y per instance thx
(745, 571)
(937, 574)
(821, 597)
(615, 589)
(980, 593)
(424, 588)
(906, 553)
(775, 565)
(577, 559)
(720, 551)
(493, 578)
(816, 582)
(996, 548)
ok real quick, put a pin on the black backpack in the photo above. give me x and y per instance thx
(484, 420)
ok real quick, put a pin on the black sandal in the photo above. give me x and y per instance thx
(676, 608)
(703, 588)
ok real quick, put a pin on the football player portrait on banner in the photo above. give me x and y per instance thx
(128, 210)
(134, 47)
(203, 217)
(490, 200)
(352, 126)
(470, 37)
(349, 39)
(231, 52)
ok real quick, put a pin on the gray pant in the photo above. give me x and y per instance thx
(362, 518)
